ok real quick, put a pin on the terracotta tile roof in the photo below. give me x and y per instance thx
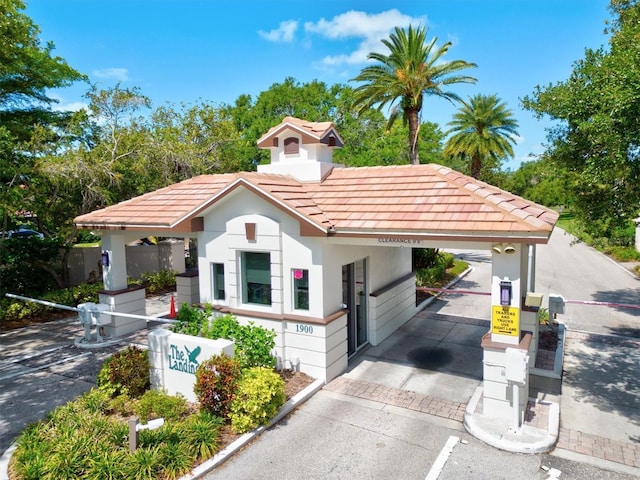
(405, 200)
(312, 132)
(162, 209)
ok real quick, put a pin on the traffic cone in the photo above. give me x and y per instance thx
(172, 308)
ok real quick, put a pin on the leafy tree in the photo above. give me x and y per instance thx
(311, 101)
(194, 140)
(412, 69)
(482, 130)
(597, 138)
(542, 182)
(28, 70)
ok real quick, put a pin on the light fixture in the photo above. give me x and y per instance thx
(105, 259)
(509, 249)
(496, 248)
(505, 293)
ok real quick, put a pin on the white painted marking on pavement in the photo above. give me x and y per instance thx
(438, 465)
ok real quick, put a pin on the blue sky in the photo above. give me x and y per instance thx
(190, 50)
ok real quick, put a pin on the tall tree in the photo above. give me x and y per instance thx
(411, 69)
(311, 101)
(28, 70)
(596, 139)
(483, 131)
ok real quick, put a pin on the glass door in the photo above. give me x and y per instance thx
(354, 296)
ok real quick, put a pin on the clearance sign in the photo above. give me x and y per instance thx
(505, 320)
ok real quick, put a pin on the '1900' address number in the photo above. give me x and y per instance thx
(304, 328)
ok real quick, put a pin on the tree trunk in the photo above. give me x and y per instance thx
(476, 166)
(414, 130)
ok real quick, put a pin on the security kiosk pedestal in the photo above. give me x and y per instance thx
(505, 366)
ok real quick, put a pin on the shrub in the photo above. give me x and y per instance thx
(95, 401)
(436, 274)
(201, 432)
(125, 372)
(71, 297)
(253, 344)
(190, 320)
(216, 380)
(155, 404)
(159, 281)
(176, 459)
(143, 464)
(259, 396)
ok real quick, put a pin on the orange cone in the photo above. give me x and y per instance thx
(172, 308)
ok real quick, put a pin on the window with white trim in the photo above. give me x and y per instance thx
(300, 289)
(256, 277)
(217, 275)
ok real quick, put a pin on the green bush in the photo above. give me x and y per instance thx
(78, 440)
(201, 434)
(253, 344)
(159, 281)
(436, 274)
(216, 380)
(190, 320)
(259, 396)
(155, 404)
(125, 372)
(71, 297)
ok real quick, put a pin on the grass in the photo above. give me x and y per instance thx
(619, 253)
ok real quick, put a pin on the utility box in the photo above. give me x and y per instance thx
(556, 304)
(517, 365)
(533, 299)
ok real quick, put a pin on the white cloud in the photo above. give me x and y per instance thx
(370, 28)
(284, 33)
(70, 107)
(119, 74)
(65, 106)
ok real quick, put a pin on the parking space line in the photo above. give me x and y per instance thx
(438, 465)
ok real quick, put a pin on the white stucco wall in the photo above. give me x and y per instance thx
(320, 349)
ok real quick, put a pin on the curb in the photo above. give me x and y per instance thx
(497, 439)
(435, 297)
(4, 461)
(291, 404)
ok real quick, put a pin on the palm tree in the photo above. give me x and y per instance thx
(482, 129)
(411, 70)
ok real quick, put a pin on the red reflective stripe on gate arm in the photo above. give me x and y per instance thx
(450, 290)
(577, 302)
(604, 304)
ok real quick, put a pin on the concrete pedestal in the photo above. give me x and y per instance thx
(498, 390)
(130, 300)
(187, 288)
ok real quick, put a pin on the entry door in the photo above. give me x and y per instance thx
(354, 296)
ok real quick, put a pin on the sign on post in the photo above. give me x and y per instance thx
(505, 320)
(175, 357)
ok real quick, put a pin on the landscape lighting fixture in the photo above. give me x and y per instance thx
(105, 259)
(496, 248)
(509, 249)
